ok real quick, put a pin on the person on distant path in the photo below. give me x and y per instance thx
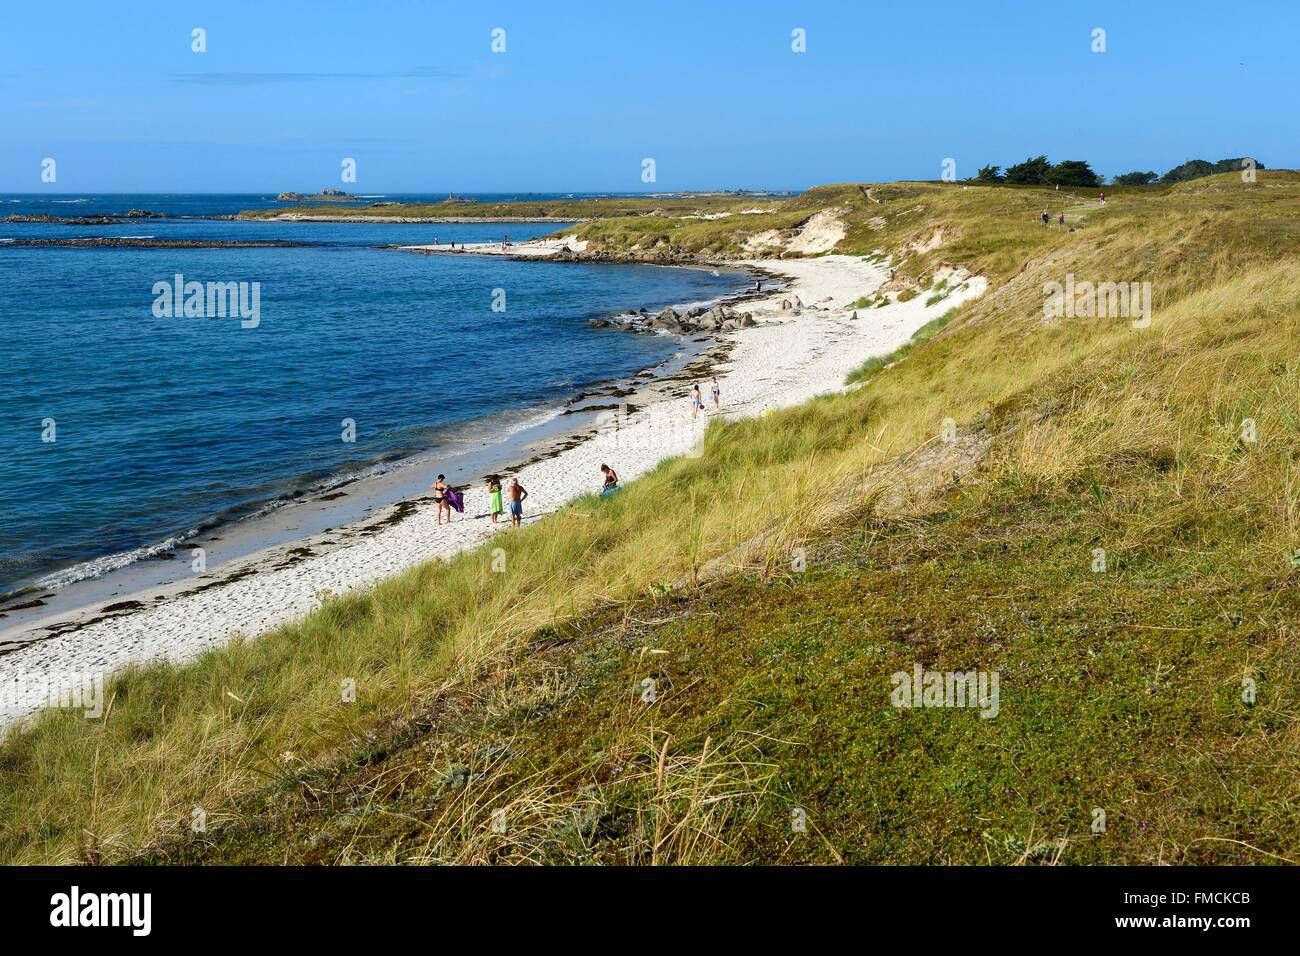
(1060, 222)
(1045, 217)
(716, 391)
(1102, 198)
(697, 402)
(611, 480)
(516, 493)
(494, 497)
(440, 489)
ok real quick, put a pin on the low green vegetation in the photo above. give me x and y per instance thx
(558, 209)
(1107, 516)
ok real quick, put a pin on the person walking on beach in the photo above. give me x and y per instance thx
(611, 480)
(494, 497)
(716, 391)
(517, 495)
(440, 489)
(696, 401)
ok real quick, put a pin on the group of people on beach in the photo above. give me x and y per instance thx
(447, 498)
(697, 398)
(505, 243)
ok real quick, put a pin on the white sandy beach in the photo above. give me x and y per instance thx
(785, 360)
(538, 248)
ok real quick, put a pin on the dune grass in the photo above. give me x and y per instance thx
(1096, 434)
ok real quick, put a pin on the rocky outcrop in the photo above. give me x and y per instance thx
(696, 321)
(325, 195)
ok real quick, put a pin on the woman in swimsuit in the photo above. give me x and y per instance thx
(716, 391)
(440, 489)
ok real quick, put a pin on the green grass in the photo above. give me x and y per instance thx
(773, 696)
(1121, 690)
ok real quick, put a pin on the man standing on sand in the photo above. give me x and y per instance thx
(516, 493)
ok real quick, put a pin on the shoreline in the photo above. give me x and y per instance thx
(785, 360)
(61, 599)
(428, 220)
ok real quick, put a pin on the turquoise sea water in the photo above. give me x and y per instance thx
(162, 425)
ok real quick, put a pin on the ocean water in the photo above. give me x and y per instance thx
(163, 425)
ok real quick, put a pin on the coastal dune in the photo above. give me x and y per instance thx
(805, 343)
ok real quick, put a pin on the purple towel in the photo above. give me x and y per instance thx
(455, 499)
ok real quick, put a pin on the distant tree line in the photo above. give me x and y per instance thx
(1197, 168)
(1038, 171)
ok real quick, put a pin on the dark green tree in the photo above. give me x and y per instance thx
(1136, 179)
(989, 174)
(1073, 172)
(1032, 172)
(1192, 169)
(1196, 168)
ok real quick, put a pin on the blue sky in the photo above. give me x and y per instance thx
(711, 90)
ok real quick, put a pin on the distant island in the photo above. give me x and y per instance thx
(325, 195)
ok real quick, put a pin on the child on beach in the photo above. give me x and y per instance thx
(611, 480)
(494, 497)
(516, 493)
(716, 391)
